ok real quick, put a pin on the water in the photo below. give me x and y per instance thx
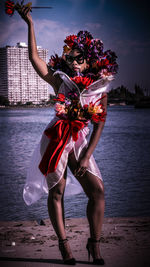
(122, 156)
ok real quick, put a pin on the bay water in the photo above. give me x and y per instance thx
(122, 154)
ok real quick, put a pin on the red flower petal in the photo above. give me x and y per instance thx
(85, 106)
(82, 81)
(9, 7)
(95, 118)
(70, 40)
(60, 97)
(88, 41)
(9, 11)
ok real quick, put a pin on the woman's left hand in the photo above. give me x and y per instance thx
(82, 167)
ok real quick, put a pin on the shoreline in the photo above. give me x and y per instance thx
(111, 104)
(25, 107)
(124, 241)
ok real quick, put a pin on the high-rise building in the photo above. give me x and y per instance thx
(19, 82)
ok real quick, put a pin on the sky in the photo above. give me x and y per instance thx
(123, 26)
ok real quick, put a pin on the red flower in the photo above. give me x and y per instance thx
(85, 106)
(88, 41)
(82, 81)
(103, 62)
(9, 7)
(70, 40)
(95, 118)
(60, 97)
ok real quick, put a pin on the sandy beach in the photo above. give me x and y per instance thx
(125, 242)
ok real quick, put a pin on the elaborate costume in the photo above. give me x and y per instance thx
(36, 182)
(78, 102)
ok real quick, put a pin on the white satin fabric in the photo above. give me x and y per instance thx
(36, 183)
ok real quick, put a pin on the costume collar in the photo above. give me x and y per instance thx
(97, 87)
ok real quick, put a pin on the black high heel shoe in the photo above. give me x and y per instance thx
(93, 249)
(66, 252)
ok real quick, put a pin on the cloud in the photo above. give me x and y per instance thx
(126, 47)
(49, 34)
(13, 32)
(93, 26)
(12, 29)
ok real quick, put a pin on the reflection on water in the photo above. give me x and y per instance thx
(122, 156)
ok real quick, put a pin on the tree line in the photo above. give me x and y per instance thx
(117, 95)
(122, 94)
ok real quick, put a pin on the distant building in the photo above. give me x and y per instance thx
(18, 80)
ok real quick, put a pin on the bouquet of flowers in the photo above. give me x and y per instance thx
(11, 6)
(70, 108)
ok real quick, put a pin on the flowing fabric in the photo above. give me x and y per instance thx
(59, 134)
(55, 147)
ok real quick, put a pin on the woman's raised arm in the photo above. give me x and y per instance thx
(38, 64)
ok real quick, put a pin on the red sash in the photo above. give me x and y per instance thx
(59, 134)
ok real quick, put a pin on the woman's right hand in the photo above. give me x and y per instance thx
(24, 12)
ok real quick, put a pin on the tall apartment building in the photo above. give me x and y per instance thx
(18, 80)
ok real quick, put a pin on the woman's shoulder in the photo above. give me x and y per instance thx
(55, 79)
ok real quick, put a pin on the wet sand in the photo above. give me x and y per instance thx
(125, 242)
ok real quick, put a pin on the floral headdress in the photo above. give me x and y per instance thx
(101, 63)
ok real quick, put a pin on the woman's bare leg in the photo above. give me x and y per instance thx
(56, 213)
(56, 208)
(94, 190)
(95, 210)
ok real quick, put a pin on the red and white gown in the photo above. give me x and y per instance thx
(37, 183)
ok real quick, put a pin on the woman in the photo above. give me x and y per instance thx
(79, 78)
